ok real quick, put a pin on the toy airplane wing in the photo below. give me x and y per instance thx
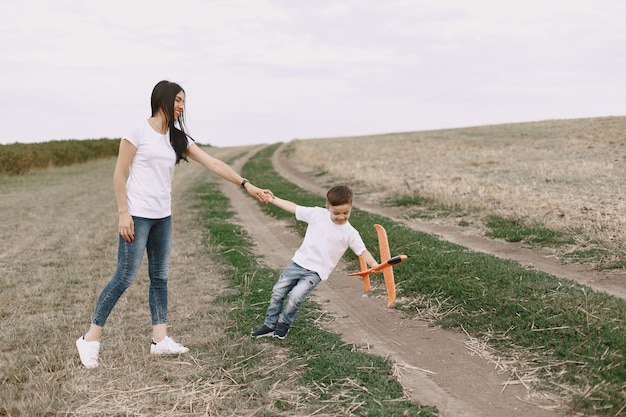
(385, 254)
(383, 243)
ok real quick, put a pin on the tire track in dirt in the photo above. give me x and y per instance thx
(434, 365)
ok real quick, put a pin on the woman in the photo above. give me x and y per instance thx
(142, 180)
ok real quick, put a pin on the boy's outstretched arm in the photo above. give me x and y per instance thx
(283, 204)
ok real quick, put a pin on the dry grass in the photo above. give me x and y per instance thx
(523, 371)
(566, 174)
(57, 250)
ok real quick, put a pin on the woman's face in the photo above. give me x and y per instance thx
(179, 104)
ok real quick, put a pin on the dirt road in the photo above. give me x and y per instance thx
(435, 366)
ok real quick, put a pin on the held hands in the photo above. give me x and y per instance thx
(264, 196)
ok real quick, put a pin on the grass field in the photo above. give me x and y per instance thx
(562, 336)
(55, 260)
(563, 175)
(559, 180)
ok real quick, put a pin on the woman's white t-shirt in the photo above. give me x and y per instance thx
(325, 242)
(149, 183)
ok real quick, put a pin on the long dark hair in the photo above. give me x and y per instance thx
(163, 96)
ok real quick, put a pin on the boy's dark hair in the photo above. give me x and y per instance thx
(338, 195)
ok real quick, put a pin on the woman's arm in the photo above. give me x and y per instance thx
(126, 153)
(224, 171)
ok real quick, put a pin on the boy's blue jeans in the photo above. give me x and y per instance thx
(296, 283)
(155, 237)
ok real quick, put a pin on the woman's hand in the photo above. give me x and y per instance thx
(264, 196)
(126, 227)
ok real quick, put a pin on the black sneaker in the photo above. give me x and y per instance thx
(262, 332)
(281, 330)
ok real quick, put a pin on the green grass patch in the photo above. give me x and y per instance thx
(586, 255)
(517, 230)
(603, 259)
(572, 335)
(20, 158)
(424, 208)
(408, 200)
(330, 367)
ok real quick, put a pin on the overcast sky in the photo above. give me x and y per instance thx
(265, 71)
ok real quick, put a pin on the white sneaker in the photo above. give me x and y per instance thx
(88, 352)
(167, 346)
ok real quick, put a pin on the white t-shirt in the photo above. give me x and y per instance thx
(149, 183)
(325, 242)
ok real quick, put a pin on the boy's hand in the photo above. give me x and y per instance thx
(370, 260)
(264, 196)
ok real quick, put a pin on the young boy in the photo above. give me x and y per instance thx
(328, 236)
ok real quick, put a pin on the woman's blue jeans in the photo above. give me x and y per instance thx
(154, 236)
(296, 283)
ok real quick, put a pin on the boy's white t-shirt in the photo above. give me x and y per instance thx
(324, 242)
(149, 183)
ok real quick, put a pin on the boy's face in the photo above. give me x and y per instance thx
(339, 214)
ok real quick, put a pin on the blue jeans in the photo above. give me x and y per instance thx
(295, 282)
(155, 237)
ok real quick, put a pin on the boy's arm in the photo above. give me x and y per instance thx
(369, 259)
(284, 204)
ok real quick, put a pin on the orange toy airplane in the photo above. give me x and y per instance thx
(386, 264)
